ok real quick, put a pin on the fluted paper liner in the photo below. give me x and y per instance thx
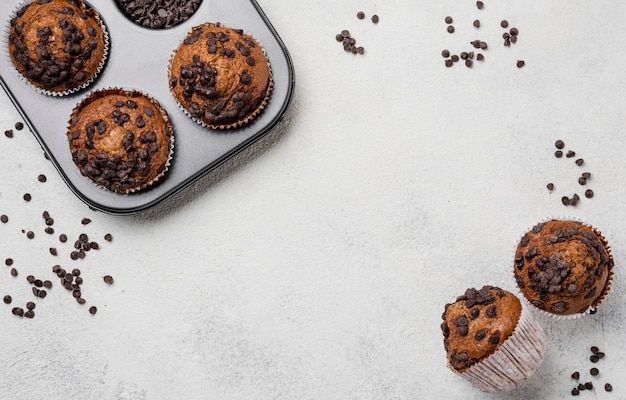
(516, 360)
(94, 76)
(607, 287)
(168, 127)
(235, 124)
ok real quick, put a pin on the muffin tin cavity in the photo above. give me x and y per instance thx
(158, 14)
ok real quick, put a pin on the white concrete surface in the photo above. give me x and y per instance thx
(317, 265)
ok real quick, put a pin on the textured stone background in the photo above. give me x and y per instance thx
(316, 265)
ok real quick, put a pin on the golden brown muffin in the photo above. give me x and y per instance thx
(477, 323)
(57, 45)
(120, 139)
(220, 75)
(563, 267)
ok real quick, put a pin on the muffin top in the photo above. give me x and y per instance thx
(120, 139)
(477, 323)
(57, 45)
(563, 267)
(220, 75)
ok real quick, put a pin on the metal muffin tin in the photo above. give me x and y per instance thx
(138, 59)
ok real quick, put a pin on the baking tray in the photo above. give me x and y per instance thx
(138, 59)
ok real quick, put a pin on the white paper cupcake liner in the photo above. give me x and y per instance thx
(563, 317)
(101, 65)
(516, 360)
(236, 124)
(169, 127)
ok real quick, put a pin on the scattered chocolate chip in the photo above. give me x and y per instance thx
(476, 23)
(550, 186)
(8, 262)
(575, 392)
(8, 133)
(559, 144)
(375, 18)
(63, 238)
(445, 53)
(594, 358)
(480, 5)
(108, 279)
(4, 218)
(19, 126)
(85, 221)
(7, 299)
(13, 272)
(594, 371)
(108, 237)
(576, 375)
(565, 200)
(30, 234)
(570, 154)
(41, 178)
(608, 387)
(27, 197)
(448, 20)
(29, 314)
(93, 310)
(360, 15)
(582, 181)
(580, 162)
(504, 23)
(520, 63)
(589, 385)
(18, 311)
(558, 154)
(450, 29)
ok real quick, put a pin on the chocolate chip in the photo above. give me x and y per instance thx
(575, 392)
(445, 53)
(594, 371)
(108, 237)
(550, 186)
(476, 23)
(450, 29)
(582, 181)
(559, 144)
(480, 5)
(494, 339)
(608, 387)
(520, 63)
(588, 385)
(594, 358)
(4, 218)
(18, 311)
(375, 18)
(85, 221)
(27, 197)
(360, 15)
(108, 279)
(480, 335)
(19, 126)
(8, 133)
(491, 311)
(570, 154)
(576, 375)
(588, 193)
(558, 154)
(504, 23)
(93, 310)
(448, 20)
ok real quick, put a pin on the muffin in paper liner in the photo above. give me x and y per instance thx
(502, 366)
(92, 51)
(576, 250)
(121, 139)
(216, 83)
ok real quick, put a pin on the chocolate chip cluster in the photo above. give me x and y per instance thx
(159, 14)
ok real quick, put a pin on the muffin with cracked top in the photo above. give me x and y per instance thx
(491, 339)
(220, 76)
(122, 140)
(58, 46)
(563, 267)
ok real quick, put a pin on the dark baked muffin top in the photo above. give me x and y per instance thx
(477, 323)
(57, 45)
(122, 140)
(220, 75)
(563, 267)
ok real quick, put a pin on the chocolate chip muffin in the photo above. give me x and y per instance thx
(59, 46)
(487, 329)
(220, 76)
(121, 139)
(563, 267)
